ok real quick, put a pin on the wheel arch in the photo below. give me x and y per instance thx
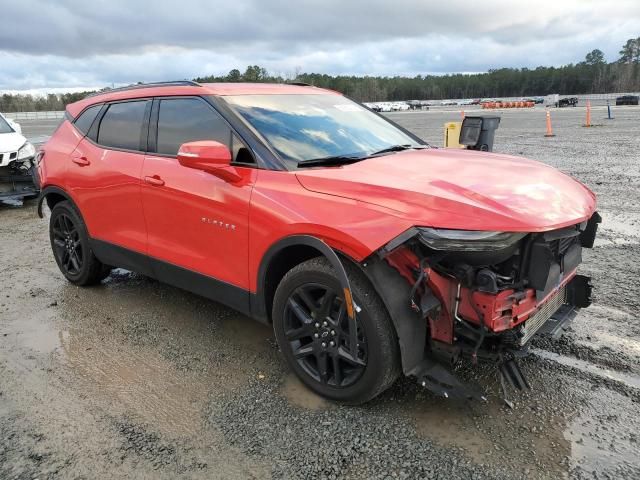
(282, 257)
(391, 287)
(53, 195)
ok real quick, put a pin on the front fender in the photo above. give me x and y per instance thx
(395, 292)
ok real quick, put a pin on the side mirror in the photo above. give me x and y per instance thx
(209, 156)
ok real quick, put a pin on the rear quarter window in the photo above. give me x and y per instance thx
(85, 120)
(121, 125)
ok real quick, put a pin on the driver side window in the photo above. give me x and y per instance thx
(182, 120)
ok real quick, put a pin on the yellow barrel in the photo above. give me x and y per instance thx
(452, 135)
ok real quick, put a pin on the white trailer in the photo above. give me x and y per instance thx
(551, 100)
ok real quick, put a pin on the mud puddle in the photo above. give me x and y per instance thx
(527, 439)
(603, 441)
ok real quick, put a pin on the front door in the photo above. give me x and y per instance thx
(196, 221)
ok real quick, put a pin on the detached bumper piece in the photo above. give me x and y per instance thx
(510, 373)
(439, 380)
(15, 187)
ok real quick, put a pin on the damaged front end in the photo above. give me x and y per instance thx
(18, 178)
(479, 297)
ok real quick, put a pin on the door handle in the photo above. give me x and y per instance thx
(82, 161)
(155, 180)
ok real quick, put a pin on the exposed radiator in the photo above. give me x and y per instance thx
(533, 323)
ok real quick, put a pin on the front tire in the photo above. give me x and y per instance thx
(71, 249)
(332, 356)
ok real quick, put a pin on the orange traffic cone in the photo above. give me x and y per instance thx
(588, 124)
(462, 114)
(549, 129)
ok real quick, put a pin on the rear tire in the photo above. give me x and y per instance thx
(71, 248)
(317, 338)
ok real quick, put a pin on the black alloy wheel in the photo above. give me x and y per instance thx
(71, 246)
(327, 345)
(67, 246)
(342, 359)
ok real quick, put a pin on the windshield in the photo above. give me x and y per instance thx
(4, 126)
(301, 128)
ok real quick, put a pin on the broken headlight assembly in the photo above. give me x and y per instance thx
(26, 152)
(467, 240)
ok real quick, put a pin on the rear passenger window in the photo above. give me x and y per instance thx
(121, 125)
(182, 120)
(85, 120)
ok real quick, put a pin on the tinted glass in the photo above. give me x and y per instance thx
(306, 127)
(239, 152)
(121, 125)
(84, 121)
(184, 120)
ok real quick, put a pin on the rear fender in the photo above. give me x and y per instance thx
(49, 192)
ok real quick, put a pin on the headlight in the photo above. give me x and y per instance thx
(467, 240)
(26, 151)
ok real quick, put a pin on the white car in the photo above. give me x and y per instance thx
(13, 146)
(17, 158)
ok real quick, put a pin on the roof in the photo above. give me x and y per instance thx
(173, 88)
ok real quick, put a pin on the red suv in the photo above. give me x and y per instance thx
(369, 251)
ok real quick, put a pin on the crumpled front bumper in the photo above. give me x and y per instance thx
(15, 186)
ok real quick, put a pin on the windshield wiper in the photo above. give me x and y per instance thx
(335, 160)
(396, 148)
(346, 159)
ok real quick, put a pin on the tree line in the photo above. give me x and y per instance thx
(38, 103)
(592, 75)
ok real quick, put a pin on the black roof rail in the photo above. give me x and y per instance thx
(136, 86)
(300, 84)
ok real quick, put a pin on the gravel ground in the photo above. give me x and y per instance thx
(135, 379)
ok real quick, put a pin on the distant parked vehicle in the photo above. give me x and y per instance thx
(628, 100)
(418, 104)
(567, 102)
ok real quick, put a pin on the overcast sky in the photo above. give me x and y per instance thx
(46, 44)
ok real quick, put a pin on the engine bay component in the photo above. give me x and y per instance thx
(485, 295)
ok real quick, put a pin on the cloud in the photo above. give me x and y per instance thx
(74, 42)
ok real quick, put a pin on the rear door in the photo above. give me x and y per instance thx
(104, 174)
(195, 220)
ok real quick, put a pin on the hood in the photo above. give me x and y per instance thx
(460, 189)
(11, 142)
